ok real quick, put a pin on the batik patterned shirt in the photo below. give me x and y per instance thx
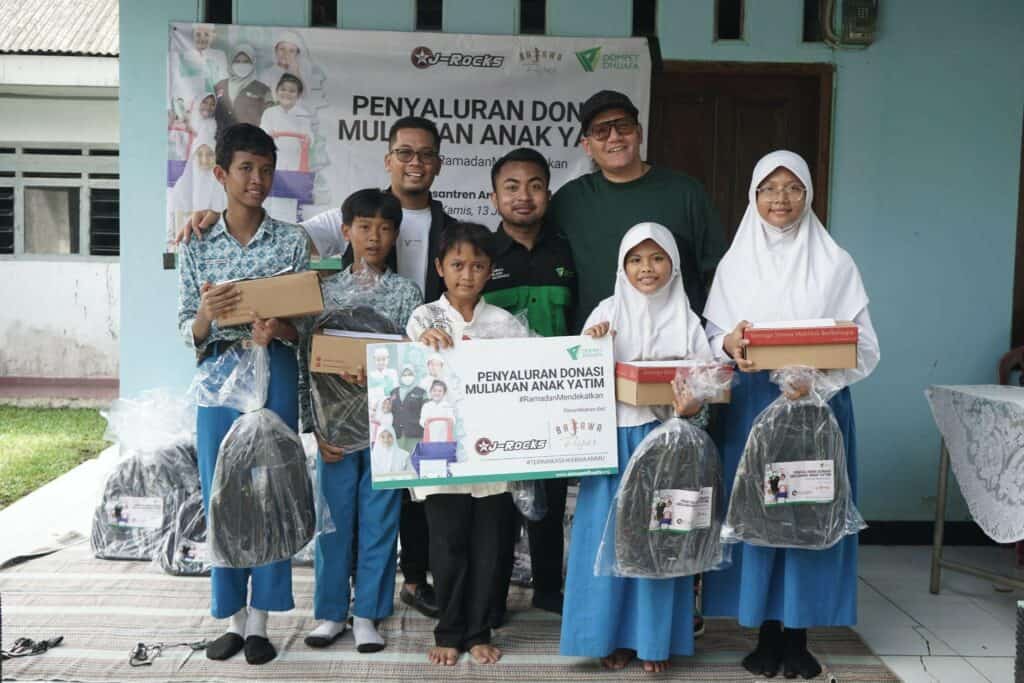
(218, 256)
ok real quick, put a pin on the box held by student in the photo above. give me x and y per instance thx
(649, 382)
(279, 296)
(816, 344)
(337, 351)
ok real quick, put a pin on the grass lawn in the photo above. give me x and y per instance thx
(38, 445)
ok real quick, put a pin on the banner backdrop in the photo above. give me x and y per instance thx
(328, 97)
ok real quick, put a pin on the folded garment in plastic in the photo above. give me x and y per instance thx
(791, 488)
(185, 551)
(667, 514)
(261, 500)
(140, 500)
(530, 498)
(238, 378)
(340, 410)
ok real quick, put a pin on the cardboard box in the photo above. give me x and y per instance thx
(334, 351)
(825, 347)
(649, 383)
(280, 296)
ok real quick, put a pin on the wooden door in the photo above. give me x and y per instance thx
(714, 120)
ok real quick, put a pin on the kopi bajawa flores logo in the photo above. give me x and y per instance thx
(596, 58)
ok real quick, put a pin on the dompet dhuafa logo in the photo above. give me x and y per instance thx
(578, 352)
(595, 58)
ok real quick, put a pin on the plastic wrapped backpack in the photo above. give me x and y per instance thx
(261, 501)
(185, 550)
(340, 408)
(666, 517)
(140, 501)
(792, 489)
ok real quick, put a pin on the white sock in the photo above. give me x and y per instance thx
(236, 623)
(328, 629)
(256, 624)
(365, 632)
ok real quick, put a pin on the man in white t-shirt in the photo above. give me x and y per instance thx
(413, 161)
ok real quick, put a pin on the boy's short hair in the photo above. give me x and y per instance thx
(289, 78)
(244, 137)
(439, 383)
(473, 234)
(371, 203)
(417, 122)
(524, 154)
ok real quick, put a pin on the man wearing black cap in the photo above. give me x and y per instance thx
(595, 210)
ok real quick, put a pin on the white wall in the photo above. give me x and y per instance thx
(34, 119)
(59, 318)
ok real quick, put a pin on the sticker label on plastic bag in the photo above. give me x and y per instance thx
(134, 512)
(678, 511)
(192, 552)
(800, 481)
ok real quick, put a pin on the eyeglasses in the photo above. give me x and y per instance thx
(405, 155)
(601, 131)
(772, 194)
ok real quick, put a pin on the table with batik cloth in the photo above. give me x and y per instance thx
(982, 429)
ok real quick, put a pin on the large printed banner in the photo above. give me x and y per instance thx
(482, 412)
(328, 97)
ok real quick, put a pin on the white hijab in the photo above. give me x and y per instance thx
(386, 459)
(656, 326)
(805, 276)
(197, 188)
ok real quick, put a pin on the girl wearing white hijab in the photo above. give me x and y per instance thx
(387, 457)
(783, 265)
(197, 188)
(614, 618)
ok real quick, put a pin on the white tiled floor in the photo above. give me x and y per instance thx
(964, 634)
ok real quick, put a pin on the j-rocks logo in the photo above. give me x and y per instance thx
(540, 60)
(423, 57)
(595, 58)
(485, 446)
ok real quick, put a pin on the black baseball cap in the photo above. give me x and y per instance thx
(603, 101)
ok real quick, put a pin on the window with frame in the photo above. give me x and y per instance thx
(59, 201)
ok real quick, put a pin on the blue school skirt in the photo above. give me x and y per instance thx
(800, 588)
(604, 613)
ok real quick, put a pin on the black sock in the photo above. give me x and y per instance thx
(796, 659)
(767, 656)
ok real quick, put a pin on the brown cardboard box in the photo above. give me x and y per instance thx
(649, 383)
(333, 353)
(280, 296)
(824, 348)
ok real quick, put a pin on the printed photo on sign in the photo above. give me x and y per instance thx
(678, 511)
(329, 96)
(800, 481)
(480, 413)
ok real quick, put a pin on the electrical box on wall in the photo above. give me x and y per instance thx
(860, 22)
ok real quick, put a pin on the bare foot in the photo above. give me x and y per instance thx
(618, 659)
(444, 656)
(656, 667)
(485, 654)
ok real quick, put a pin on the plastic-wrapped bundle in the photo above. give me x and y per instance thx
(792, 489)
(308, 552)
(261, 500)
(184, 551)
(340, 409)
(151, 421)
(140, 500)
(667, 515)
(238, 378)
(529, 498)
